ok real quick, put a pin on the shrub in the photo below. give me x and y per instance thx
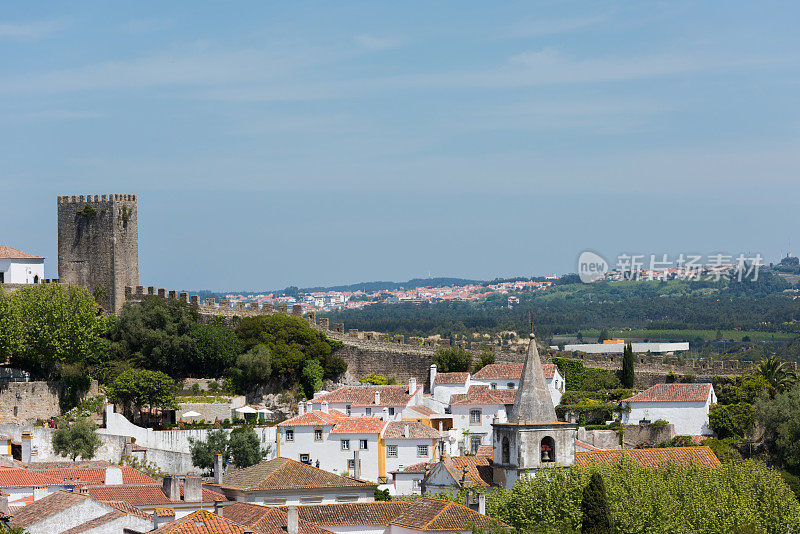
(732, 420)
(452, 359)
(595, 515)
(311, 378)
(375, 380)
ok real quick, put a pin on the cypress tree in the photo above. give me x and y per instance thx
(627, 366)
(594, 506)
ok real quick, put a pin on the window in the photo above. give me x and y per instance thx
(391, 411)
(474, 417)
(415, 484)
(422, 451)
(347, 498)
(345, 444)
(351, 465)
(305, 459)
(506, 451)
(510, 385)
(317, 434)
(548, 449)
(474, 443)
(494, 385)
(349, 409)
(369, 411)
(289, 434)
(362, 444)
(391, 451)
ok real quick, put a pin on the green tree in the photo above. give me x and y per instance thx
(253, 368)
(77, 440)
(628, 362)
(487, 357)
(603, 336)
(382, 495)
(596, 518)
(136, 388)
(311, 379)
(452, 359)
(781, 420)
(777, 374)
(204, 452)
(244, 447)
(217, 347)
(45, 325)
(731, 420)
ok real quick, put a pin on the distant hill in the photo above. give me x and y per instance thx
(411, 284)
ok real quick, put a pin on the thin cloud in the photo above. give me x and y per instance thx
(33, 31)
(376, 43)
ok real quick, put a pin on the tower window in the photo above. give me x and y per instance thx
(506, 451)
(548, 449)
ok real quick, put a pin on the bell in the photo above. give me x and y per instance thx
(545, 456)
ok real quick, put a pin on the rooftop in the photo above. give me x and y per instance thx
(44, 508)
(436, 515)
(451, 378)
(364, 395)
(283, 473)
(201, 522)
(359, 425)
(143, 495)
(314, 418)
(92, 475)
(268, 520)
(351, 514)
(673, 393)
(482, 395)
(509, 371)
(8, 253)
(397, 430)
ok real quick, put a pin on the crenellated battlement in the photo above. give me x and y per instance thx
(76, 199)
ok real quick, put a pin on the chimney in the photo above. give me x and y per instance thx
(218, 508)
(26, 447)
(405, 431)
(385, 412)
(377, 398)
(324, 406)
(193, 489)
(39, 492)
(309, 406)
(482, 503)
(84, 490)
(357, 465)
(433, 374)
(412, 385)
(169, 485)
(292, 520)
(301, 408)
(218, 469)
(4, 504)
(113, 475)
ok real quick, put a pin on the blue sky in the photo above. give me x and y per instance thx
(277, 143)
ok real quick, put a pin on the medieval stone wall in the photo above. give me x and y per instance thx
(98, 244)
(23, 403)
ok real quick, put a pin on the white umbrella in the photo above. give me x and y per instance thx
(246, 409)
(191, 414)
(265, 411)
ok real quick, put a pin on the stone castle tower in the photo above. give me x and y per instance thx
(98, 245)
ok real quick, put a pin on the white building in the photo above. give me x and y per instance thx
(617, 348)
(686, 406)
(409, 443)
(473, 414)
(282, 481)
(444, 385)
(369, 400)
(17, 267)
(507, 376)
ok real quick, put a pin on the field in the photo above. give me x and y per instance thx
(590, 336)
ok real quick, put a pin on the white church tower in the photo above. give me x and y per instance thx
(533, 438)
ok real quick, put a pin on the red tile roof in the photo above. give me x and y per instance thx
(268, 520)
(359, 425)
(142, 494)
(314, 418)
(673, 393)
(703, 456)
(283, 473)
(351, 514)
(485, 450)
(94, 475)
(422, 410)
(436, 515)
(364, 395)
(415, 468)
(44, 508)
(509, 371)
(201, 522)
(482, 396)
(397, 430)
(474, 470)
(14, 477)
(8, 253)
(450, 378)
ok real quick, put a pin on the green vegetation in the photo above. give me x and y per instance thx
(136, 388)
(737, 497)
(596, 517)
(732, 420)
(241, 447)
(252, 368)
(628, 376)
(486, 357)
(311, 378)
(452, 360)
(781, 419)
(578, 377)
(77, 440)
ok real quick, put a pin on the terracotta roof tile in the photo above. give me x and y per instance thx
(651, 457)
(364, 395)
(351, 514)
(141, 494)
(422, 410)
(415, 468)
(267, 520)
(509, 371)
(451, 378)
(397, 430)
(435, 515)
(12, 476)
(93, 475)
(314, 418)
(483, 396)
(165, 512)
(129, 509)
(44, 508)
(283, 473)
(96, 522)
(359, 425)
(8, 253)
(201, 522)
(66, 464)
(485, 450)
(673, 393)
(478, 470)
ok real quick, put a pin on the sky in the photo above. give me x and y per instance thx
(319, 143)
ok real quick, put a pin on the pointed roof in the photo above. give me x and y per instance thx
(8, 253)
(533, 403)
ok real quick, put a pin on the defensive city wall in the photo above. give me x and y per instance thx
(405, 357)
